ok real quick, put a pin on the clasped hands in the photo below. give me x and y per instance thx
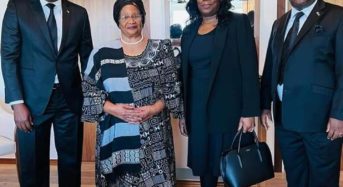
(132, 114)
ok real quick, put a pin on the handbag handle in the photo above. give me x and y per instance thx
(239, 133)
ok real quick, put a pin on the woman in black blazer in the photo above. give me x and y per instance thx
(220, 83)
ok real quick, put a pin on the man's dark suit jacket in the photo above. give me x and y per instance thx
(313, 76)
(234, 88)
(29, 63)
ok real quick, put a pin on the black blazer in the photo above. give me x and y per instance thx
(234, 89)
(29, 63)
(313, 77)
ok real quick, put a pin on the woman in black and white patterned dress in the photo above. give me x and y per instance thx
(130, 88)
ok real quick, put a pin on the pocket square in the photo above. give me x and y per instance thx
(318, 28)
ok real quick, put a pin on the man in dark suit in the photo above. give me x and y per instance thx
(303, 77)
(41, 41)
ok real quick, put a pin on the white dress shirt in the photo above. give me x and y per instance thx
(302, 20)
(58, 17)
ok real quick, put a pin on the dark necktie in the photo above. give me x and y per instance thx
(52, 25)
(288, 44)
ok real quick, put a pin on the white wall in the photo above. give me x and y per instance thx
(159, 18)
(100, 15)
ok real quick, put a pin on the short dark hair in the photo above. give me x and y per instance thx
(222, 14)
(119, 4)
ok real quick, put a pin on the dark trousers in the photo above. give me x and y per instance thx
(33, 149)
(208, 180)
(310, 159)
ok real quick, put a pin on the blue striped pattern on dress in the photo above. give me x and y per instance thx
(119, 130)
(119, 141)
(117, 84)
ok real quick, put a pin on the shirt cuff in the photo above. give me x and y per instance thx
(16, 102)
(280, 91)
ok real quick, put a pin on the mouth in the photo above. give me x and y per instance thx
(133, 27)
(206, 6)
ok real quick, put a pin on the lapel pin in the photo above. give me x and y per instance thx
(318, 13)
(68, 11)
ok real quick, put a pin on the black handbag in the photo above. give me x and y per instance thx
(246, 166)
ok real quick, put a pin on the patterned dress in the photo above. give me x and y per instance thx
(133, 154)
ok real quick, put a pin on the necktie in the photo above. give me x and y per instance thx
(52, 25)
(288, 44)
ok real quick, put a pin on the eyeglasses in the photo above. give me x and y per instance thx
(127, 17)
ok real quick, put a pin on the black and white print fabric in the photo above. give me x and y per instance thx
(133, 154)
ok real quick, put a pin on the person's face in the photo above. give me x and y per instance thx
(130, 21)
(301, 4)
(208, 7)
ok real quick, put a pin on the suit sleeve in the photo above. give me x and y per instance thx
(266, 81)
(249, 72)
(86, 45)
(10, 54)
(337, 102)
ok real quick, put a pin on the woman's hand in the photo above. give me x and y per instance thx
(148, 111)
(247, 124)
(125, 112)
(183, 128)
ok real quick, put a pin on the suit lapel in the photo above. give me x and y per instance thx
(188, 40)
(66, 16)
(219, 44)
(315, 15)
(41, 22)
(280, 36)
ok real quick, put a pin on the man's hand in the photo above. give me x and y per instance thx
(247, 124)
(265, 117)
(183, 128)
(22, 117)
(334, 129)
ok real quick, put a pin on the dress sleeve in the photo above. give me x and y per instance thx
(93, 91)
(171, 85)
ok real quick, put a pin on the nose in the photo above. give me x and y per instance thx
(132, 19)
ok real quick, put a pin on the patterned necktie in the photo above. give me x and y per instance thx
(293, 32)
(289, 43)
(52, 25)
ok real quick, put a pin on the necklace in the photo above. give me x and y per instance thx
(132, 43)
(210, 19)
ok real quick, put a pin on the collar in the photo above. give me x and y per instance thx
(307, 11)
(58, 3)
